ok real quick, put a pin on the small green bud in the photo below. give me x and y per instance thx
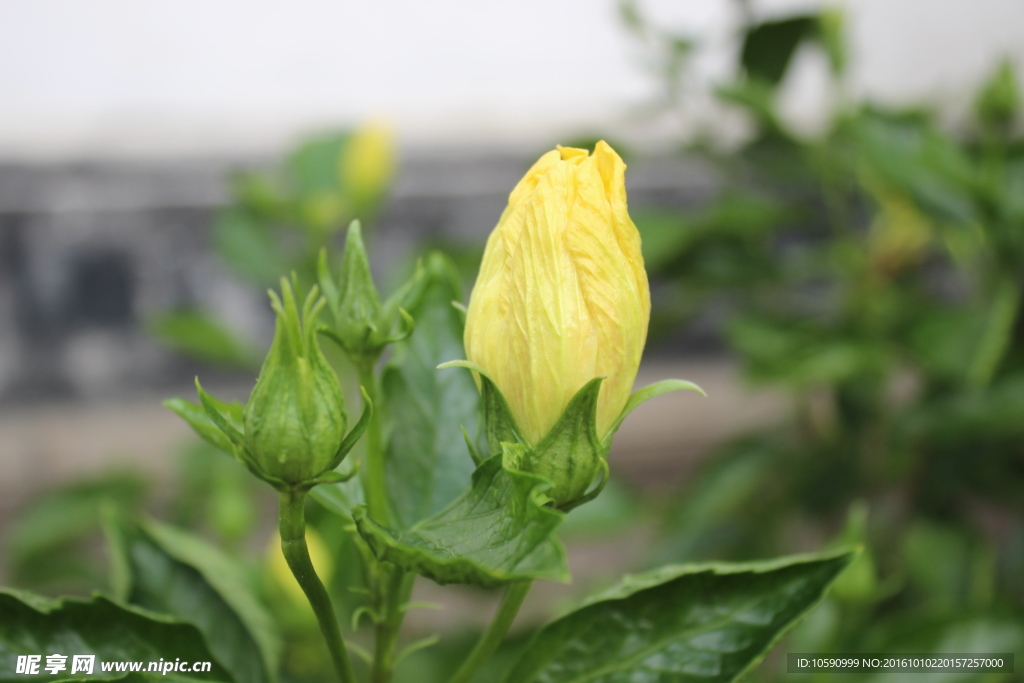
(294, 422)
(363, 325)
(291, 433)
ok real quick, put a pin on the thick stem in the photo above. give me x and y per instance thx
(491, 638)
(293, 545)
(374, 477)
(396, 596)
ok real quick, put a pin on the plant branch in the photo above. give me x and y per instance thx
(293, 545)
(492, 637)
(397, 589)
(374, 479)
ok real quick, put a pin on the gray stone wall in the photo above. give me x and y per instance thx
(89, 250)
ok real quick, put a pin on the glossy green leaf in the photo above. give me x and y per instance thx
(498, 531)
(427, 459)
(683, 623)
(174, 572)
(197, 334)
(33, 625)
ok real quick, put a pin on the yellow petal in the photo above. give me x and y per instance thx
(562, 296)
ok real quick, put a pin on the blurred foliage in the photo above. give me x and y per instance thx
(278, 221)
(51, 545)
(874, 272)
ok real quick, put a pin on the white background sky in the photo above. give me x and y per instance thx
(85, 77)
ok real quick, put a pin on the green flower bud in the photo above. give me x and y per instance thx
(295, 418)
(291, 433)
(363, 325)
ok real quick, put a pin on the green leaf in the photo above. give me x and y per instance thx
(249, 247)
(998, 101)
(42, 543)
(33, 625)
(498, 531)
(768, 48)
(708, 622)
(314, 165)
(196, 334)
(428, 462)
(179, 574)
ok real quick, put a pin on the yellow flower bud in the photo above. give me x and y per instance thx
(562, 295)
(367, 164)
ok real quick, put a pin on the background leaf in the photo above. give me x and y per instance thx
(47, 543)
(31, 624)
(708, 622)
(249, 247)
(196, 334)
(769, 47)
(428, 462)
(177, 573)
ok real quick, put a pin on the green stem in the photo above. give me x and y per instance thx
(491, 638)
(293, 545)
(396, 596)
(374, 478)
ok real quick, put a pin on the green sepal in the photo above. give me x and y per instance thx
(332, 477)
(478, 457)
(195, 415)
(569, 455)
(223, 415)
(498, 531)
(225, 418)
(710, 622)
(647, 393)
(406, 327)
(499, 425)
(605, 474)
(357, 430)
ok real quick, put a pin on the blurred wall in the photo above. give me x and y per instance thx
(109, 76)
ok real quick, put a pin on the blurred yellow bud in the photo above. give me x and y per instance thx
(899, 234)
(367, 165)
(280, 575)
(562, 295)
